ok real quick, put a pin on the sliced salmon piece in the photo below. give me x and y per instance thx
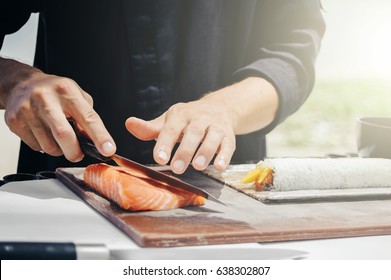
(134, 191)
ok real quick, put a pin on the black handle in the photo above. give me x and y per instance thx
(86, 145)
(37, 251)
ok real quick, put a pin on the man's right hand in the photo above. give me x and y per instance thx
(37, 109)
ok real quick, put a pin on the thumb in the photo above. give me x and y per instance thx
(145, 130)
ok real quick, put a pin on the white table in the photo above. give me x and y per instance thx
(47, 211)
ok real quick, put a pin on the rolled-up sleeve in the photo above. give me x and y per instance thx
(14, 14)
(283, 46)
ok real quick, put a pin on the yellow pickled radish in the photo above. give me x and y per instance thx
(251, 176)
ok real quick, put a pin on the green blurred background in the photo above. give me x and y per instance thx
(353, 80)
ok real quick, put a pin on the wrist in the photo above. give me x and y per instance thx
(13, 74)
(259, 107)
(252, 103)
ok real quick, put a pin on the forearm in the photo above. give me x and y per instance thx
(285, 55)
(253, 104)
(12, 73)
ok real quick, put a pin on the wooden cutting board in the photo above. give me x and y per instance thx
(242, 220)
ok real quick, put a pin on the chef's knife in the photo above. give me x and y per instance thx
(88, 147)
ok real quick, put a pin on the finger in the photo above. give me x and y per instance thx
(224, 156)
(91, 123)
(145, 130)
(29, 139)
(21, 130)
(29, 127)
(56, 137)
(167, 139)
(194, 133)
(208, 148)
(87, 97)
(65, 136)
(41, 131)
(45, 139)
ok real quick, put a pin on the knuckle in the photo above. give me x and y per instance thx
(186, 151)
(67, 91)
(23, 109)
(175, 109)
(196, 130)
(217, 128)
(38, 94)
(63, 85)
(39, 101)
(89, 98)
(90, 116)
(172, 131)
(61, 133)
(207, 148)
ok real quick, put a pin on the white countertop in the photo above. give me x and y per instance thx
(47, 211)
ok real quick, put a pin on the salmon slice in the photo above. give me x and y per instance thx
(134, 191)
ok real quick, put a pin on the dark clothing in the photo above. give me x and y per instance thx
(137, 58)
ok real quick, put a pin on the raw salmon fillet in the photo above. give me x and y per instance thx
(134, 191)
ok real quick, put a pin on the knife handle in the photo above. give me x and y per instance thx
(86, 145)
(37, 251)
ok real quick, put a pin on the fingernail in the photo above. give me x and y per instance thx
(108, 147)
(221, 163)
(179, 166)
(200, 161)
(162, 155)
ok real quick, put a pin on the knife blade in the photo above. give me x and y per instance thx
(88, 147)
(160, 176)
